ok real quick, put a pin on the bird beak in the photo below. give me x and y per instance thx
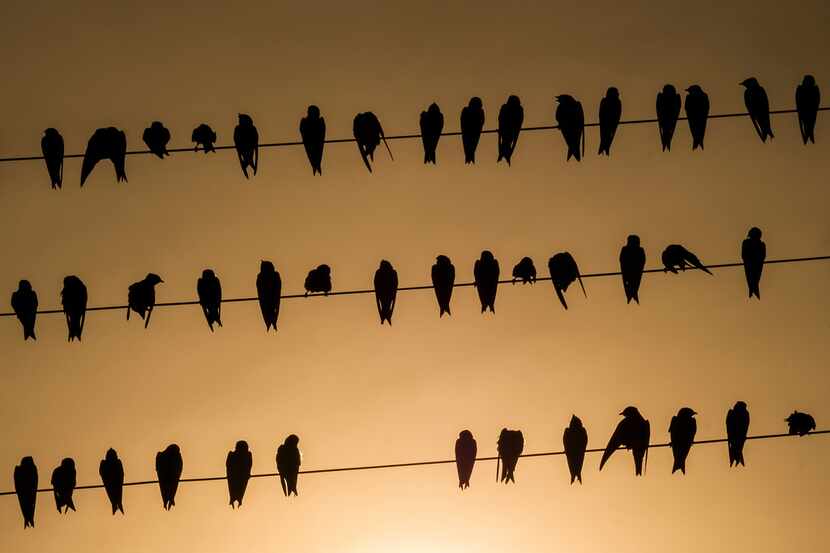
(620, 412)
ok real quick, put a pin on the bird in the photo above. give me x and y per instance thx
(386, 290)
(269, 291)
(141, 297)
(25, 486)
(443, 279)
(575, 440)
(465, 457)
(757, 104)
(157, 136)
(632, 432)
(525, 271)
(668, 110)
(571, 121)
(169, 466)
(800, 423)
(246, 141)
(697, 112)
(486, 276)
(632, 264)
(682, 432)
(106, 143)
(205, 137)
(676, 257)
(238, 470)
(318, 280)
(63, 484)
(511, 117)
(610, 112)
(753, 254)
(209, 290)
(74, 299)
(52, 147)
(111, 471)
(510, 446)
(737, 426)
(472, 123)
(368, 133)
(807, 101)
(432, 123)
(288, 464)
(24, 303)
(313, 133)
(564, 271)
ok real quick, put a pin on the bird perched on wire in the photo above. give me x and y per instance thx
(753, 254)
(386, 290)
(800, 423)
(74, 299)
(205, 137)
(563, 272)
(737, 427)
(571, 121)
(472, 123)
(610, 112)
(465, 457)
(525, 271)
(432, 123)
(697, 113)
(575, 440)
(368, 133)
(25, 486)
(633, 432)
(24, 303)
(676, 257)
(269, 291)
(157, 136)
(288, 464)
(511, 117)
(807, 102)
(632, 264)
(318, 280)
(682, 431)
(209, 290)
(169, 467)
(510, 446)
(443, 280)
(107, 143)
(52, 147)
(246, 141)
(486, 275)
(63, 484)
(668, 111)
(757, 104)
(111, 471)
(141, 297)
(238, 471)
(313, 133)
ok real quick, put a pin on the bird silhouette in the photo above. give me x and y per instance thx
(25, 486)
(807, 101)
(632, 432)
(610, 112)
(575, 440)
(800, 423)
(268, 291)
(571, 121)
(632, 264)
(676, 257)
(52, 147)
(525, 271)
(486, 275)
(107, 143)
(443, 279)
(112, 475)
(318, 280)
(511, 117)
(510, 446)
(737, 426)
(209, 290)
(367, 134)
(63, 484)
(288, 464)
(753, 254)
(169, 466)
(386, 290)
(205, 137)
(74, 298)
(682, 432)
(238, 470)
(472, 123)
(313, 133)
(668, 110)
(757, 104)
(697, 112)
(24, 303)
(465, 457)
(141, 297)
(564, 271)
(432, 123)
(157, 136)
(246, 141)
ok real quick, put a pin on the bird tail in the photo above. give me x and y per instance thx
(498, 460)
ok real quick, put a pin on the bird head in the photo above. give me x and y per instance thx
(156, 125)
(245, 120)
(442, 260)
(241, 445)
(433, 108)
(612, 92)
(70, 281)
(27, 462)
(313, 112)
(565, 99)
(475, 102)
(669, 89)
(754, 233)
(575, 422)
(750, 82)
(324, 270)
(208, 274)
(487, 255)
(513, 100)
(68, 463)
(465, 435)
(633, 240)
(266, 266)
(24, 285)
(740, 406)
(172, 449)
(111, 455)
(686, 412)
(51, 132)
(694, 89)
(630, 411)
(153, 279)
(292, 440)
(809, 80)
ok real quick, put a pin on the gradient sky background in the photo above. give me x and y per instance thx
(359, 393)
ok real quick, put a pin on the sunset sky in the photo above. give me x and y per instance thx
(356, 392)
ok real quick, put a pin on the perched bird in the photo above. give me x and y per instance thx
(268, 291)
(238, 471)
(112, 475)
(246, 140)
(807, 101)
(511, 117)
(24, 303)
(288, 464)
(25, 486)
(737, 426)
(757, 104)
(63, 484)
(367, 134)
(443, 279)
(52, 147)
(632, 432)
(169, 470)
(141, 297)
(313, 133)
(682, 431)
(610, 112)
(563, 272)
(668, 110)
(205, 137)
(676, 257)
(74, 298)
(157, 136)
(632, 264)
(386, 290)
(575, 440)
(432, 123)
(107, 143)
(697, 112)
(510, 446)
(465, 457)
(318, 280)
(753, 254)
(571, 121)
(486, 275)
(524, 270)
(801, 423)
(472, 123)
(209, 290)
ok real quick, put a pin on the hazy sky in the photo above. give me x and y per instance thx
(356, 392)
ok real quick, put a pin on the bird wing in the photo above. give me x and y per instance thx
(618, 439)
